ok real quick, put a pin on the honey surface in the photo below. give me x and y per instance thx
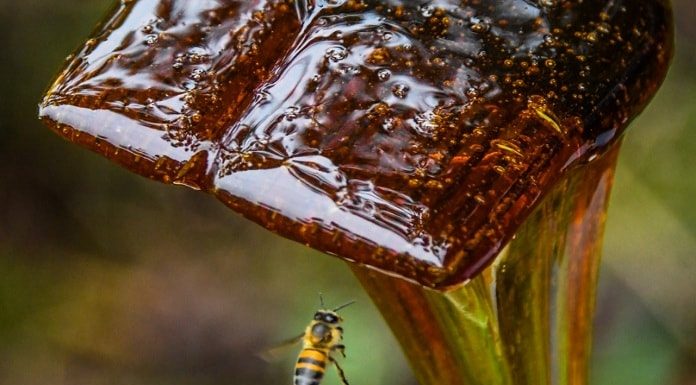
(410, 136)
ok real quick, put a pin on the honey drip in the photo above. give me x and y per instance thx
(527, 318)
(411, 137)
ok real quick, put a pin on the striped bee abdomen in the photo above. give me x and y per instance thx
(310, 366)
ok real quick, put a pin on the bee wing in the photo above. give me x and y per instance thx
(276, 352)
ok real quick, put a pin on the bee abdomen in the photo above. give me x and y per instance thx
(310, 367)
(305, 376)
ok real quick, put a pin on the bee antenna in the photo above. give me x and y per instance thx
(344, 305)
(321, 300)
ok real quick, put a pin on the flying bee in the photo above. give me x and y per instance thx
(321, 340)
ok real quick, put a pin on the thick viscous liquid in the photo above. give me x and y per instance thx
(409, 136)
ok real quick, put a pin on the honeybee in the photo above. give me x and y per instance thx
(321, 340)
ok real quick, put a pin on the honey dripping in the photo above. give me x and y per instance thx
(411, 138)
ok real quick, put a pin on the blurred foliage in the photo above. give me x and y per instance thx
(107, 278)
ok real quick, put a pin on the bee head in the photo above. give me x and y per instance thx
(330, 317)
(327, 316)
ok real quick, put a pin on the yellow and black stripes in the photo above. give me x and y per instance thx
(310, 366)
(322, 338)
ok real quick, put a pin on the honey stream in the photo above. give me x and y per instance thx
(527, 318)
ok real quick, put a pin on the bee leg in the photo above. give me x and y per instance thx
(341, 349)
(341, 374)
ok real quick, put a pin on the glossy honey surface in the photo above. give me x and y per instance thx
(409, 136)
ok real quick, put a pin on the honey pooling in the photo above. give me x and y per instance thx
(408, 136)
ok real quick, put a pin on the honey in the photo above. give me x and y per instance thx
(407, 136)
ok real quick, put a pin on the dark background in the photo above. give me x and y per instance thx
(108, 278)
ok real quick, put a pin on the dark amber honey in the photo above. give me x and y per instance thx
(410, 136)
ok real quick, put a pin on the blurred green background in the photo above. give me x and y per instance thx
(108, 278)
